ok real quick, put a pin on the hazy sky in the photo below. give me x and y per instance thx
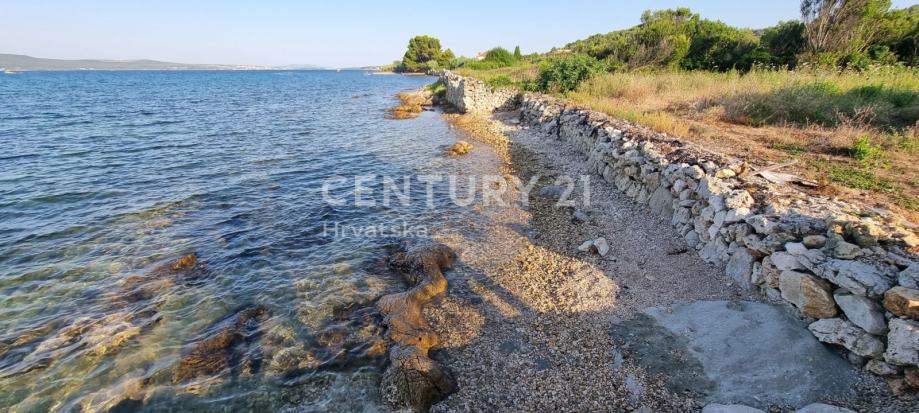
(334, 33)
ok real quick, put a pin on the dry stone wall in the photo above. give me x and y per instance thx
(474, 96)
(853, 271)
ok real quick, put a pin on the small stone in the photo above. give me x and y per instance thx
(911, 375)
(795, 248)
(880, 368)
(909, 277)
(738, 199)
(762, 224)
(810, 294)
(822, 408)
(864, 233)
(847, 251)
(903, 302)
(863, 312)
(814, 241)
(579, 216)
(844, 333)
(858, 277)
(740, 266)
(725, 173)
(856, 360)
(585, 247)
(601, 246)
(634, 387)
(692, 239)
(552, 192)
(903, 342)
(785, 261)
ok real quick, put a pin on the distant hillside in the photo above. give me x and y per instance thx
(26, 63)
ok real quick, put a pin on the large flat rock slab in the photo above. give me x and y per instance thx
(737, 352)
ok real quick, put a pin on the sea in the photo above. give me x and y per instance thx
(234, 216)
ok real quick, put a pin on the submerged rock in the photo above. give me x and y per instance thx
(459, 148)
(225, 347)
(412, 380)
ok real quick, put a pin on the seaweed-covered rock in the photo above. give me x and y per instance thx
(226, 346)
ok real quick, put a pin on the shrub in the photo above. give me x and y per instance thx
(499, 56)
(864, 151)
(784, 42)
(566, 73)
(500, 81)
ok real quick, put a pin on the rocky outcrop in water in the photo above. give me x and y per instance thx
(412, 380)
(129, 312)
(228, 345)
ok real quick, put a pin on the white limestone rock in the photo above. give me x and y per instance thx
(858, 277)
(795, 248)
(903, 343)
(738, 199)
(847, 251)
(863, 312)
(740, 266)
(844, 333)
(601, 246)
(785, 261)
(909, 277)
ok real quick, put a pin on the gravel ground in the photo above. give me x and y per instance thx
(526, 322)
(525, 325)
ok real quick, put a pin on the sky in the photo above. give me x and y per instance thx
(331, 33)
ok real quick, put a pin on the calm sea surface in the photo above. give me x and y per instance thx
(108, 177)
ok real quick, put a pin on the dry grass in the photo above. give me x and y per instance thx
(816, 117)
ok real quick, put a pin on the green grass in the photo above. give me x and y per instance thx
(790, 148)
(438, 88)
(865, 152)
(857, 178)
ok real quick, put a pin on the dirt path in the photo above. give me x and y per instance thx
(528, 321)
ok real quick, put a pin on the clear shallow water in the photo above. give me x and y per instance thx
(105, 176)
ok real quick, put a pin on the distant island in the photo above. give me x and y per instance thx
(17, 63)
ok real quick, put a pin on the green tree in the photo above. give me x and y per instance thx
(900, 33)
(445, 58)
(842, 26)
(421, 51)
(517, 54)
(784, 42)
(565, 73)
(717, 46)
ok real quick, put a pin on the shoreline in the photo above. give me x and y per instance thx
(550, 242)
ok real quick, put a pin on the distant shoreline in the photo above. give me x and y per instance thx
(23, 63)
